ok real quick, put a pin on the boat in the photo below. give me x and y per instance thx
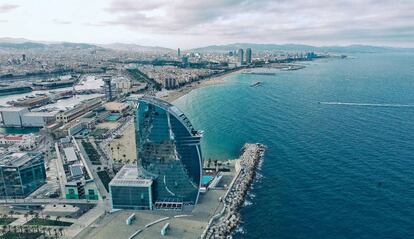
(11, 90)
(255, 84)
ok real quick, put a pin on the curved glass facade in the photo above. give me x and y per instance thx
(168, 149)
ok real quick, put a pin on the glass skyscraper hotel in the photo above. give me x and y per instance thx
(169, 153)
(168, 170)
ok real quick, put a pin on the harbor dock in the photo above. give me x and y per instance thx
(222, 224)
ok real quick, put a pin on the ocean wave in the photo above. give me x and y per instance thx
(247, 203)
(251, 195)
(257, 179)
(240, 230)
(366, 104)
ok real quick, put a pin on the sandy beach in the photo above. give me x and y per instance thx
(172, 95)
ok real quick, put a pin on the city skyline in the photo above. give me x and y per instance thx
(187, 25)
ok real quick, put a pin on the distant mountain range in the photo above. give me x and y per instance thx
(300, 47)
(21, 43)
(135, 47)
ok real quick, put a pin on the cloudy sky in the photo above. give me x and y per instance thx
(193, 23)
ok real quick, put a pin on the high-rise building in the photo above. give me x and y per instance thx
(241, 56)
(110, 88)
(170, 83)
(248, 56)
(184, 61)
(24, 57)
(21, 174)
(169, 164)
(179, 52)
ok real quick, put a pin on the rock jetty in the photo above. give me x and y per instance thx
(222, 224)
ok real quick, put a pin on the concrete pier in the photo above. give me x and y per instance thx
(222, 224)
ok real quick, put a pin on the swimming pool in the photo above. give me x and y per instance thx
(113, 117)
(206, 179)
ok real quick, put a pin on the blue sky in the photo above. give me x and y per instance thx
(187, 24)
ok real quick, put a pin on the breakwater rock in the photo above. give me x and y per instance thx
(222, 224)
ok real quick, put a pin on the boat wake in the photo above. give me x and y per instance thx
(368, 104)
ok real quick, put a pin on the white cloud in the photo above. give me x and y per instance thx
(193, 23)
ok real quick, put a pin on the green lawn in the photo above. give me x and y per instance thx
(19, 235)
(47, 222)
(91, 152)
(7, 221)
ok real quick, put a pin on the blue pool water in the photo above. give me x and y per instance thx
(330, 171)
(113, 117)
(206, 179)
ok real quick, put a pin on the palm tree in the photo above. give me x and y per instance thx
(26, 230)
(26, 215)
(47, 217)
(57, 218)
(56, 232)
(61, 231)
(4, 229)
(43, 229)
(48, 230)
(11, 212)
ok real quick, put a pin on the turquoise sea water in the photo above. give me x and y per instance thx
(331, 170)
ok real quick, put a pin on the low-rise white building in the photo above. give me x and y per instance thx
(22, 141)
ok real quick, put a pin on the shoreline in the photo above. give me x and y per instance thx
(173, 95)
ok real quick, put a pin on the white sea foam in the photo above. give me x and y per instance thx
(366, 104)
(251, 195)
(247, 203)
(240, 230)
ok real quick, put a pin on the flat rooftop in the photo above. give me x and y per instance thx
(12, 109)
(16, 159)
(70, 154)
(128, 176)
(42, 114)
